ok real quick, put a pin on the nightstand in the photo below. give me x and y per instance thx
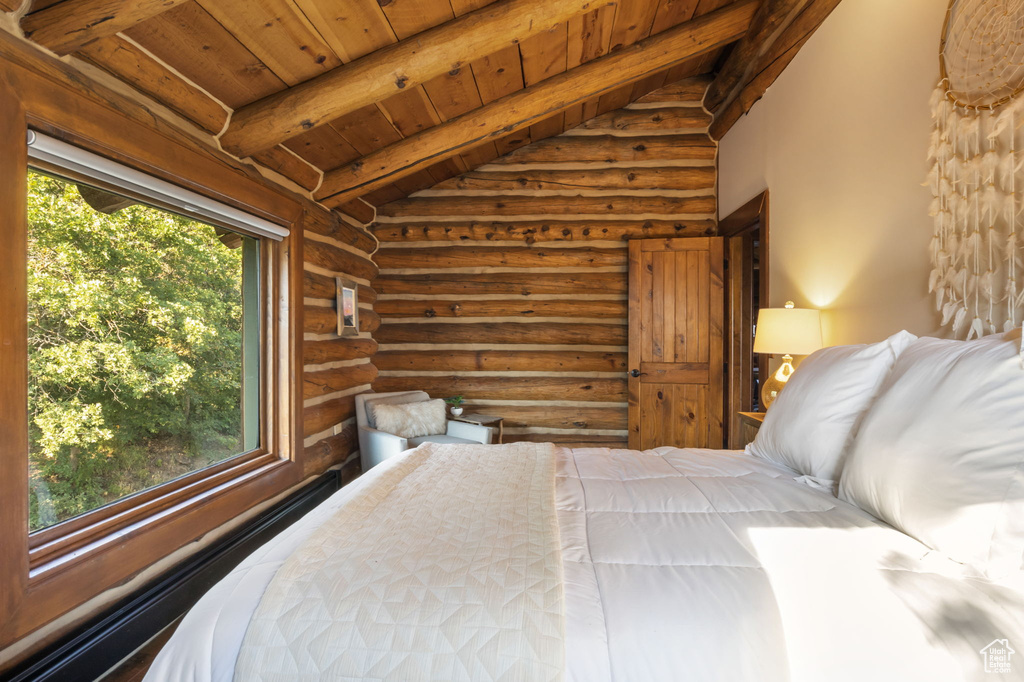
(750, 422)
(484, 420)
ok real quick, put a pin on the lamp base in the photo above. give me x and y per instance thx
(774, 384)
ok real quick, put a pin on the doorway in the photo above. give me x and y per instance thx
(746, 236)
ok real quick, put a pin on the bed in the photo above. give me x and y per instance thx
(695, 564)
(533, 562)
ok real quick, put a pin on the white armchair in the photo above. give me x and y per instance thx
(376, 446)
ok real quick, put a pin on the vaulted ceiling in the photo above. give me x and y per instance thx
(360, 98)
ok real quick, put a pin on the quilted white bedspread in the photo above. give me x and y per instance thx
(704, 566)
(447, 569)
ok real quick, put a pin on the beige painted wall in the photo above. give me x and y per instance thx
(840, 140)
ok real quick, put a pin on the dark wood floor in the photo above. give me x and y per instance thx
(134, 668)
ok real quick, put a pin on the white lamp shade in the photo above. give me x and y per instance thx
(788, 331)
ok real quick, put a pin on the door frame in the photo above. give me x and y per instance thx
(740, 228)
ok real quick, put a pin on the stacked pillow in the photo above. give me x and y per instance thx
(940, 455)
(925, 434)
(811, 422)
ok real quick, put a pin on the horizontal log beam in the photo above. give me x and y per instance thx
(650, 119)
(569, 440)
(329, 224)
(543, 231)
(509, 388)
(134, 66)
(319, 352)
(499, 361)
(686, 90)
(358, 210)
(735, 72)
(315, 285)
(325, 415)
(547, 205)
(332, 380)
(503, 308)
(338, 260)
(610, 149)
(68, 25)
(532, 104)
(369, 321)
(504, 283)
(286, 163)
(321, 320)
(393, 69)
(330, 451)
(504, 332)
(57, 93)
(771, 64)
(557, 417)
(673, 177)
(505, 256)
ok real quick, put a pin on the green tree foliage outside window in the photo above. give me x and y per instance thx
(135, 348)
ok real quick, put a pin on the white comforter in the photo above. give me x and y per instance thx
(457, 576)
(699, 565)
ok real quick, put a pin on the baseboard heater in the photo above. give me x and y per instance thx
(108, 639)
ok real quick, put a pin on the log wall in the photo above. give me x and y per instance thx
(507, 284)
(335, 369)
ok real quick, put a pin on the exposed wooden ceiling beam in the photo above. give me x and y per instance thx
(390, 70)
(69, 25)
(771, 16)
(772, 61)
(525, 107)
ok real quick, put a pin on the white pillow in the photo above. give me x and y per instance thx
(940, 455)
(809, 425)
(411, 420)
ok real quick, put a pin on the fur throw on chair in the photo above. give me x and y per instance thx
(411, 420)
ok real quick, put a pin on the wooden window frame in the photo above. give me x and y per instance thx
(48, 573)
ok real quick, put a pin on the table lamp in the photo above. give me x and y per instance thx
(790, 331)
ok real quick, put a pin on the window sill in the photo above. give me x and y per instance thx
(161, 506)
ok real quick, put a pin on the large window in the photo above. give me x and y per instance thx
(143, 346)
(150, 348)
(148, 344)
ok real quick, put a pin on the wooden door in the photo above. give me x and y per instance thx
(676, 343)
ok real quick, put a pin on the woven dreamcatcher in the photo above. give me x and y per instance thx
(976, 179)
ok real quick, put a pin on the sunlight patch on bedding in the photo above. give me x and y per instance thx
(825, 636)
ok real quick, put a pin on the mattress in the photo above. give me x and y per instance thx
(699, 565)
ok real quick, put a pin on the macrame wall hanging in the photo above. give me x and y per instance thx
(976, 179)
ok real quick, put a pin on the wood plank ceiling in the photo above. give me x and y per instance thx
(206, 59)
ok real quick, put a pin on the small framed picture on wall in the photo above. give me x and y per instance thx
(348, 307)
